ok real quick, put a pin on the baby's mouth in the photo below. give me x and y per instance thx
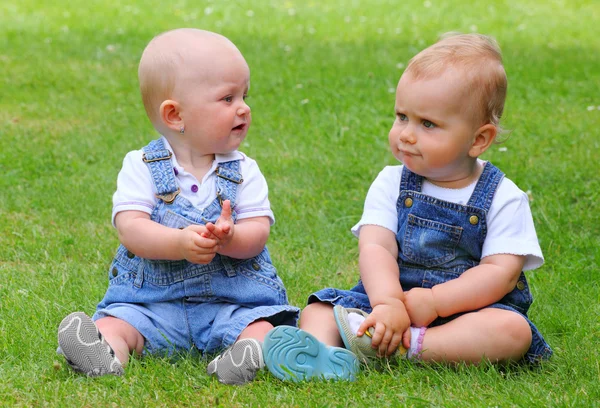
(239, 127)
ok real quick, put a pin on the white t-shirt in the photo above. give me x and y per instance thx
(509, 220)
(136, 191)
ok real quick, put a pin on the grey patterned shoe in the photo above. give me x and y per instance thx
(239, 363)
(84, 348)
(361, 346)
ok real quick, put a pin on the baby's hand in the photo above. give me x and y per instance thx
(391, 324)
(222, 230)
(420, 306)
(195, 247)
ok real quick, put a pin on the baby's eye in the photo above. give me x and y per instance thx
(402, 117)
(428, 124)
(246, 96)
(228, 98)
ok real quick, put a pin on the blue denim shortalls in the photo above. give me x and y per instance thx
(437, 241)
(180, 306)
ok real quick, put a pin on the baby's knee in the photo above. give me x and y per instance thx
(256, 330)
(117, 332)
(518, 330)
(317, 311)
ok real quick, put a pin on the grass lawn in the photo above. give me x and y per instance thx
(323, 76)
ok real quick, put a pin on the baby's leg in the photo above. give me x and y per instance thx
(121, 336)
(494, 334)
(256, 330)
(317, 319)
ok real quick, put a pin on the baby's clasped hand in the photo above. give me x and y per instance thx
(195, 246)
(391, 324)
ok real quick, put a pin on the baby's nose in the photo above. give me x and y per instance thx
(243, 110)
(407, 135)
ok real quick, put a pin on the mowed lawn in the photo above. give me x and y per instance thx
(323, 77)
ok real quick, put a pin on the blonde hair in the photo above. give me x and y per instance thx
(480, 58)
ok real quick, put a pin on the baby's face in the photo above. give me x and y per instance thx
(434, 127)
(211, 91)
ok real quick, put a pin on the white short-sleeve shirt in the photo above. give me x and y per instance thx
(136, 191)
(510, 223)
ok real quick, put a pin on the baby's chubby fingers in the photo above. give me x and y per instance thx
(226, 210)
(216, 231)
(205, 243)
(406, 339)
(385, 341)
(394, 343)
(378, 333)
(201, 237)
(369, 322)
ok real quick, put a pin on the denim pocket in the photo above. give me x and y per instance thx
(174, 220)
(117, 274)
(262, 273)
(429, 243)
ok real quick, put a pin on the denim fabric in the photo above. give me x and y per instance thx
(177, 305)
(438, 241)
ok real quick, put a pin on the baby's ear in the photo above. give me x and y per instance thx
(484, 137)
(169, 115)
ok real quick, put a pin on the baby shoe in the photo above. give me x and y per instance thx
(84, 348)
(359, 345)
(239, 363)
(293, 354)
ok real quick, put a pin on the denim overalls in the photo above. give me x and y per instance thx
(437, 241)
(177, 305)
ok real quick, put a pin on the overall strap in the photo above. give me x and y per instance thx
(486, 187)
(410, 181)
(158, 159)
(228, 180)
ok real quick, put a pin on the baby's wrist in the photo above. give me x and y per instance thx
(390, 301)
(434, 303)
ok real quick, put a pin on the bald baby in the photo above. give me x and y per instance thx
(176, 60)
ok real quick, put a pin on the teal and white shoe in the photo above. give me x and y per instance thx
(360, 346)
(295, 355)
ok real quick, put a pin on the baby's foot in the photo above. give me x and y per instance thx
(348, 320)
(296, 355)
(84, 348)
(239, 363)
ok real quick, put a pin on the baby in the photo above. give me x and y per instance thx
(444, 238)
(193, 217)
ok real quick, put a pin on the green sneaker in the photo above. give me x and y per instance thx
(361, 346)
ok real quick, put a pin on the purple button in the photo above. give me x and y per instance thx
(194, 188)
(176, 171)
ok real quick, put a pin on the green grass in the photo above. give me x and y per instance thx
(70, 110)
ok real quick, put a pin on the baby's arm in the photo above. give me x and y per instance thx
(243, 240)
(477, 287)
(378, 252)
(150, 240)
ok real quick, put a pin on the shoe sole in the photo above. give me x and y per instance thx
(295, 355)
(239, 364)
(83, 347)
